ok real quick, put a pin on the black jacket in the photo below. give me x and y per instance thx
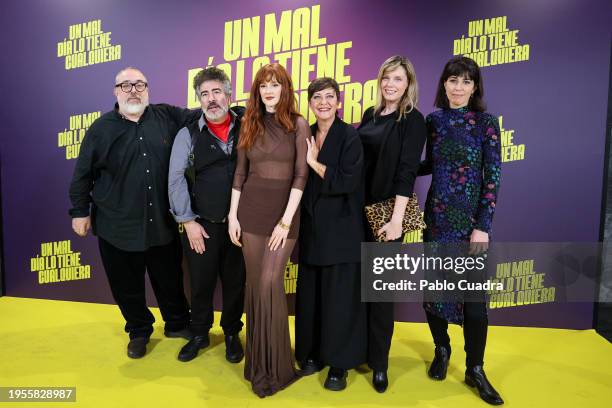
(331, 228)
(399, 157)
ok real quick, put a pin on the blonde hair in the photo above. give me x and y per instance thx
(409, 99)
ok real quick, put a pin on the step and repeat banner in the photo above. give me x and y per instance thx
(545, 66)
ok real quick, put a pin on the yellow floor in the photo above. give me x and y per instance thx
(53, 343)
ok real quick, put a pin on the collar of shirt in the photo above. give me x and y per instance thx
(202, 124)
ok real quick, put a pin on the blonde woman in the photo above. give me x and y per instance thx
(393, 134)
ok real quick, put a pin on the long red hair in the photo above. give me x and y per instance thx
(286, 110)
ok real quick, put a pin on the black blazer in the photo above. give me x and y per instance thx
(331, 226)
(399, 157)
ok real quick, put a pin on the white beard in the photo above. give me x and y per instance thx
(134, 108)
(221, 113)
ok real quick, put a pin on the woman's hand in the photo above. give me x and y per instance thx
(234, 230)
(278, 238)
(391, 230)
(196, 234)
(313, 151)
(479, 242)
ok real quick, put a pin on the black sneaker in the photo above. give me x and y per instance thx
(310, 366)
(137, 347)
(336, 379)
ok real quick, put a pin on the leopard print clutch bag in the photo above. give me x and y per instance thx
(378, 214)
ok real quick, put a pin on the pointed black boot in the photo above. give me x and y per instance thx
(380, 381)
(475, 377)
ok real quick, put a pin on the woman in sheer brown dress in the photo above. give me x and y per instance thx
(270, 176)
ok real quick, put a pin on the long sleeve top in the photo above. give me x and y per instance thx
(266, 173)
(392, 151)
(121, 176)
(463, 156)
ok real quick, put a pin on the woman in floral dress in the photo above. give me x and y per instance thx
(463, 156)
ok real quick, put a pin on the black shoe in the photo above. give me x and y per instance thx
(380, 381)
(183, 333)
(191, 349)
(137, 347)
(310, 366)
(475, 377)
(336, 379)
(439, 365)
(233, 348)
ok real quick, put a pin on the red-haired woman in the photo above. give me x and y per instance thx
(264, 220)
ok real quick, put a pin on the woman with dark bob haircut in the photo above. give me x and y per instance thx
(463, 157)
(330, 319)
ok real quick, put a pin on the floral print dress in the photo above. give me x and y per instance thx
(463, 156)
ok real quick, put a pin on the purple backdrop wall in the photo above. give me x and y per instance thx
(555, 101)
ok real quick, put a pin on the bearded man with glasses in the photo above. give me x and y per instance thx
(120, 190)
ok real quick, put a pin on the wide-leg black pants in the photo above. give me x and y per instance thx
(330, 319)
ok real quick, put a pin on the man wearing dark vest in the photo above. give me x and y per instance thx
(202, 166)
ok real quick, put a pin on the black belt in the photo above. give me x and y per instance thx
(223, 221)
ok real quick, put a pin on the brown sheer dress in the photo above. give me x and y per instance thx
(265, 175)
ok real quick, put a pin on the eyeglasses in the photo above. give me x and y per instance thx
(127, 86)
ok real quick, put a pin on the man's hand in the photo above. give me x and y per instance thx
(196, 234)
(81, 225)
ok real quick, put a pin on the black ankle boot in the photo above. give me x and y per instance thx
(475, 377)
(380, 381)
(439, 365)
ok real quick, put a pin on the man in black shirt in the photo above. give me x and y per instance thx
(202, 168)
(122, 174)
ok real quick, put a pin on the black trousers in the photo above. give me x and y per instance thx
(475, 324)
(381, 320)
(330, 319)
(221, 259)
(380, 331)
(126, 275)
